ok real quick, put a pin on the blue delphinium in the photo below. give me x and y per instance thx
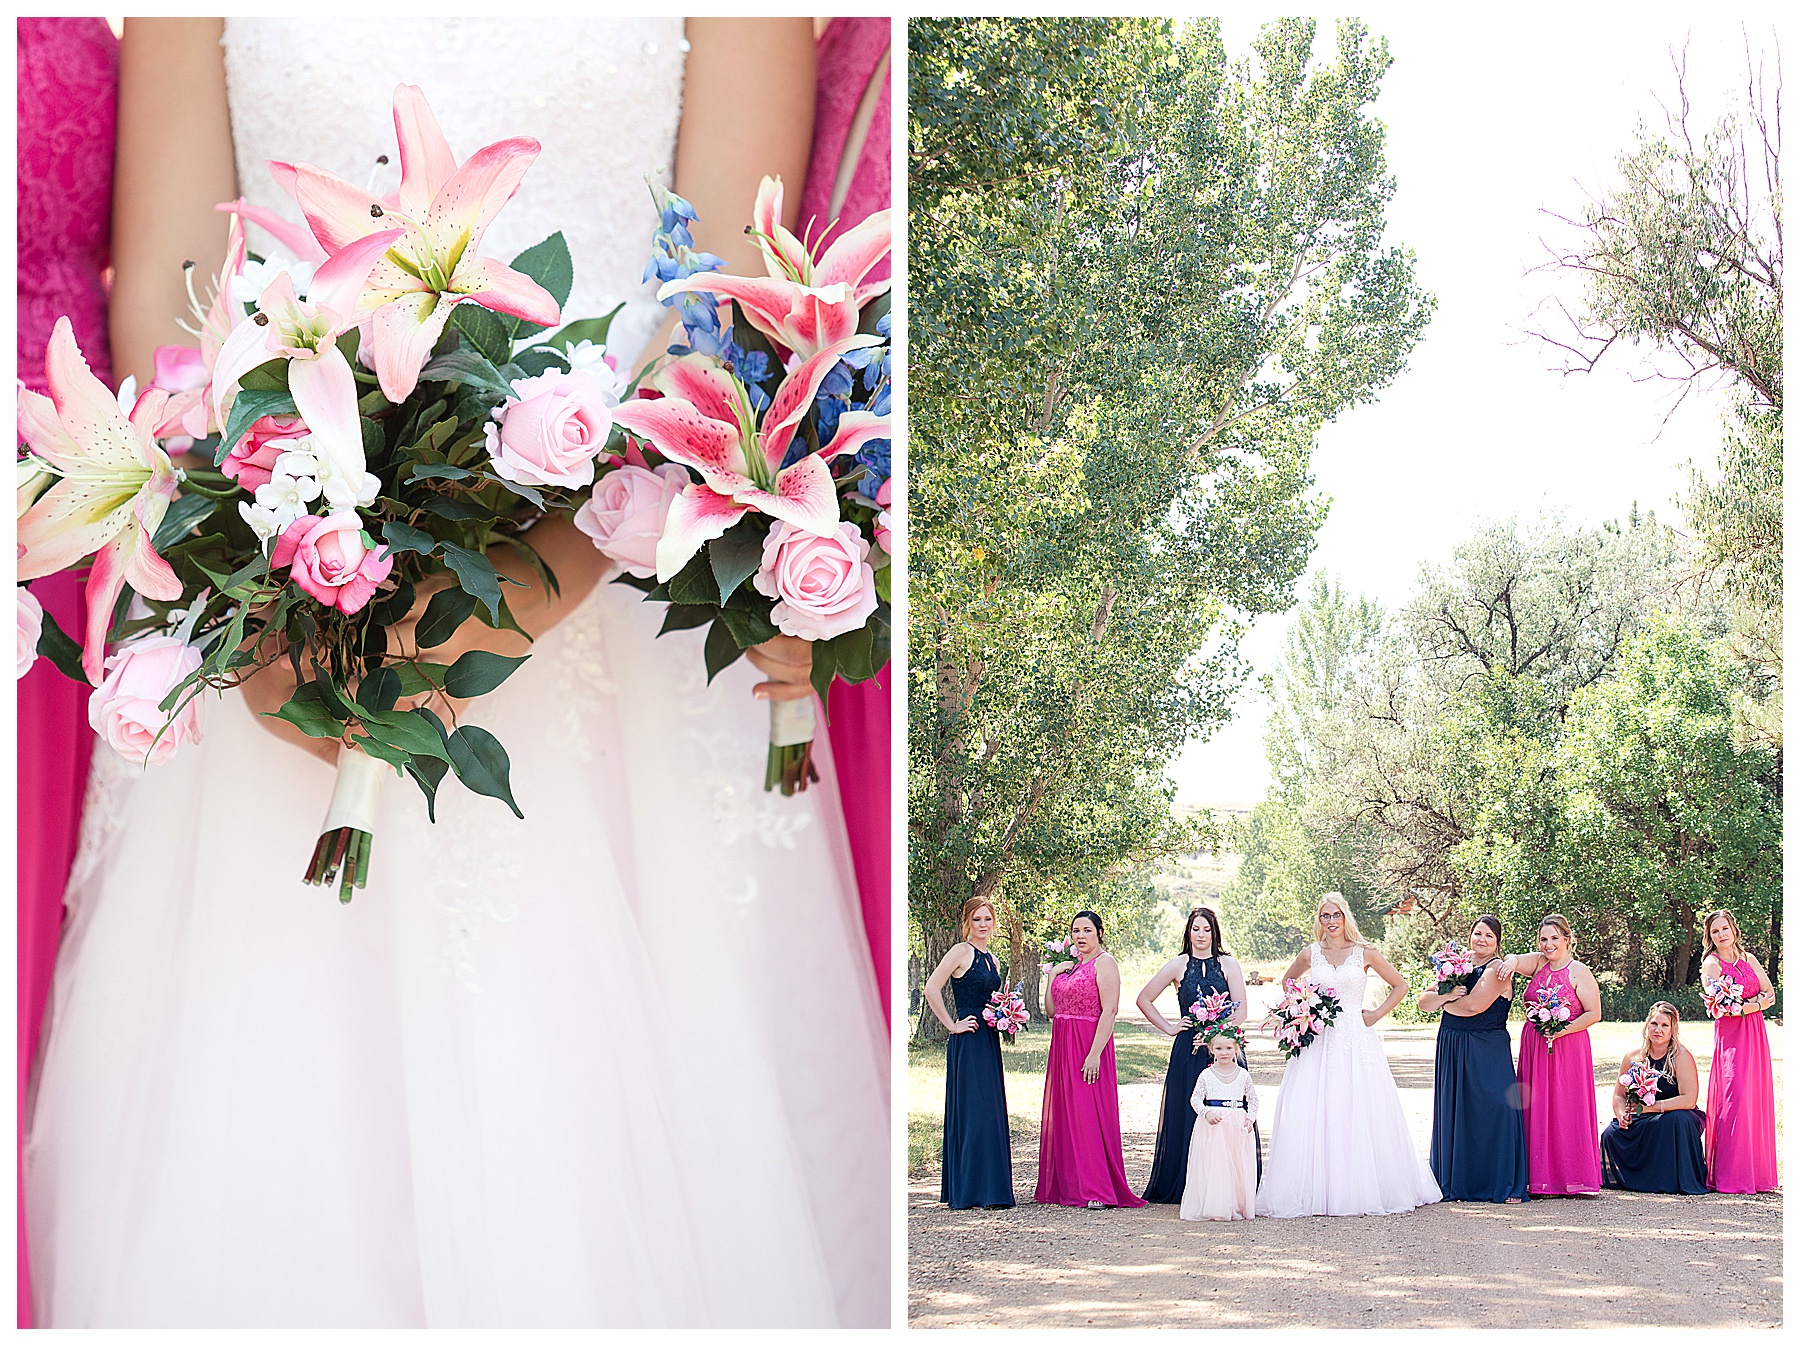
(673, 257)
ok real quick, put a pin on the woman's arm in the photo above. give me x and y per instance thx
(1765, 993)
(1396, 984)
(1430, 1002)
(1146, 998)
(1486, 991)
(953, 964)
(1234, 982)
(1106, 978)
(1302, 961)
(1587, 991)
(1621, 1100)
(1527, 964)
(173, 164)
(1050, 988)
(1687, 1081)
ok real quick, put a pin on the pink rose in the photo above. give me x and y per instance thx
(31, 626)
(330, 560)
(625, 515)
(124, 708)
(825, 584)
(252, 462)
(551, 430)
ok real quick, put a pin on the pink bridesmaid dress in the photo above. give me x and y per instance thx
(68, 80)
(851, 56)
(1081, 1157)
(1562, 1121)
(1740, 1099)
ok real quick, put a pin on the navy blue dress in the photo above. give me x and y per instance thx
(1659, 1151)
(1168, 1172)
(977, 1144)
(1478, 1149)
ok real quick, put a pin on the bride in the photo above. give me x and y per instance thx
(621, 1063)
(1341, 1144)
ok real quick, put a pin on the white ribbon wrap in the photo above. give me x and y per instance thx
(358, 792)
(790, 722)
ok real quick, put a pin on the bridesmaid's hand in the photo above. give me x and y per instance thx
(968, 1025)
(1090, 1070)
(787, 662)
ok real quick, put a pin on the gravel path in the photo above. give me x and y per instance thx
(1613, 1260)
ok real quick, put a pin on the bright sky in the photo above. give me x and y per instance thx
(1487, 125)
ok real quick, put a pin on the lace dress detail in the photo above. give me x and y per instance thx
(612, 90)
(1078, 992)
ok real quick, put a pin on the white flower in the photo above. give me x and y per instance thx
(262, 522)
(248, 285)
(286, 498)
(587, 358)
(128, 394)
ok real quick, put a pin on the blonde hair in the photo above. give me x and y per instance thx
(1350, 931)
(1706, 939)
(1675, 1047)
(969, 908)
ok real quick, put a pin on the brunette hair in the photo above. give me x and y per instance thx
(969, 908)
(1490, 921)
(1099, 925)
(1706, 939)
(1212, 924)
(1561, 922)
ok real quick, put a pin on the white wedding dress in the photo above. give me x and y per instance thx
(1341, 1145)
(621, 1063)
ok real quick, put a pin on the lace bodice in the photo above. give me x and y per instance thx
(603, 97)
(1346, 981)
(973, 988)
(1078, 992)
(1202, 977)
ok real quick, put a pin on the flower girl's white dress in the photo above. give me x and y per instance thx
(619, 1063)
(1221, 1171)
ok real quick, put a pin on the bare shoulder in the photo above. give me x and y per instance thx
(1229, 963)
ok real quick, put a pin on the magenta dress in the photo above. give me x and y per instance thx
(68, 80)
(1740, 1099)
(1081, 1157)
(850, 53)
(1562, 1121)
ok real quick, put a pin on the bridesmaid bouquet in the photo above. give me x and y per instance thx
(1006, 1011)
(780, 406)
(1640, 1081)
(1724, 998)
(1451, 963)
(1303, 1011)
(1060, 949)
(1550, 1014)
(1215, 1008)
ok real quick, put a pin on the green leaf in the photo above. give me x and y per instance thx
(525, 549)
(486, 332)
(530, 493)
(470, 366)
(309, 717)
(184, 512)
(407, 730)
(685, 616)
(748, 628)
(722, 650)
(737, 555)
(381, 752)
(884, 584)
(824, 667)
(373, 437)
(475, 573)
(457, 511)
(695, 583)
(270, 376)
(61, 651)
(549, 264)
(479, 672)
(401, 537)
(379, 691)
(393, 608)
(428, 774)
(852, 652)
(482, 764)
(244, 581)
(873, 312)
(419, 677)
(248, 407)
(439, 472)
(447, 610)
(586, 329)
(539, 359)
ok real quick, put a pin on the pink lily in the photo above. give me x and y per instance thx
(804, 304)
(443, 211)
(114, 486)
(186, 372)
(705, 420)
(305, 334)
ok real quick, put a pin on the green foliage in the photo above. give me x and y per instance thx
(1142, 282)
(1268, 908)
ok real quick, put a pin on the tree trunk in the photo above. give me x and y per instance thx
(1684, 949)
(929, 1030)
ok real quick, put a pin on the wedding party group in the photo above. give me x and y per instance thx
(1339, 1144)
(454, 464)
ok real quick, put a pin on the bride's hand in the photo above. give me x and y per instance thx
(787, 662)
(268, 690)
(1370, 1018)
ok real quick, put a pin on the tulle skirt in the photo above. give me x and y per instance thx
(1221, 1170)
(549, 1072)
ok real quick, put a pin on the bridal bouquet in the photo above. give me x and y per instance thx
(780, 405)
(1451, 963)
(1216, 1008)
(1550, 1014)
(1639, 1081)
(1302, 1012)
(1006, 1012)
(1724, 998)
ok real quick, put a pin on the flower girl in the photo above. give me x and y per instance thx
(1221, 1171)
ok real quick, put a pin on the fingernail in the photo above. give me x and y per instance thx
(760, 694)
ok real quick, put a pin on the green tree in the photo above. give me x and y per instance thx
(1118, 363)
